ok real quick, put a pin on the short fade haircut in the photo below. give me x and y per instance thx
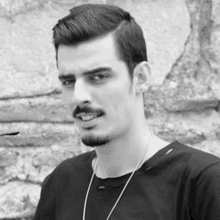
(89, 21)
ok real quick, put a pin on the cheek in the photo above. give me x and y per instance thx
(117, 103)
(66, 97)
(67, 100)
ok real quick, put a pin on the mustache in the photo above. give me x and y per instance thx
(86, 109)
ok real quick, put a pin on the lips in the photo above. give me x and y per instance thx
(88, 116)
(87, 121)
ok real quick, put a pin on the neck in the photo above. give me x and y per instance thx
(122, 155)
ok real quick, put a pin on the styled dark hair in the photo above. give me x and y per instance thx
(90, 21)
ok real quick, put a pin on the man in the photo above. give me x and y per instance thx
(131, 173)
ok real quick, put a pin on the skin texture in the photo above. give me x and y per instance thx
(96, 81)
(107, 91)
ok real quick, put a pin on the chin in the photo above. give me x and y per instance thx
(95, 141)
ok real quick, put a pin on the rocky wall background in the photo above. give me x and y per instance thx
(183, 40)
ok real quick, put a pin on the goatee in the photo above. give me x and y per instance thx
(93, 141)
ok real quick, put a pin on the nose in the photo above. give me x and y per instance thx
(81, 93)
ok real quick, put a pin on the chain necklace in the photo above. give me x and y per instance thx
(91, 180)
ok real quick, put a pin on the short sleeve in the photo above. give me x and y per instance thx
(46, 205)
(207, 196)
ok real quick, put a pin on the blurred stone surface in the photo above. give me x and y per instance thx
(166, 26)
(214, 50)
(30, 64)
(189, 100)
(38, 134)
(33, 164)
(47, 108)
(11, 8)
(183, 42)
(188, 127)
(7, 158)
(18, 199)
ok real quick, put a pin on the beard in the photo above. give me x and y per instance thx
(94, 141)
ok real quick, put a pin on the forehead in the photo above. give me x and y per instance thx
(87, 55)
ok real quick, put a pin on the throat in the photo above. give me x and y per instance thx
(114, 163)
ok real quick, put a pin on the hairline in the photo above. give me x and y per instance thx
(117, 48)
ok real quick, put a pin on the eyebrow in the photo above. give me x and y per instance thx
(89, 72)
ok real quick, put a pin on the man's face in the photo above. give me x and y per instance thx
(97, 89)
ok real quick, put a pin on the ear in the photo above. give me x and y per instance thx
(142, 77)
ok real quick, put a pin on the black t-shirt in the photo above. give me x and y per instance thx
(177, 183)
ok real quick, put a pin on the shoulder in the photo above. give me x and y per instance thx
(194, 160)
(78, 161)
(192, 155)
(184, 160)
(198, 182)
(71, 168)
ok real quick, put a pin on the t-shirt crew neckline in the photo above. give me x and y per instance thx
(147, 165)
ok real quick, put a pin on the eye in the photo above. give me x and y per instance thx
(68, 83)
(98, 77)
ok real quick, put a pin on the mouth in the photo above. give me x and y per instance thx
(87, 117)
